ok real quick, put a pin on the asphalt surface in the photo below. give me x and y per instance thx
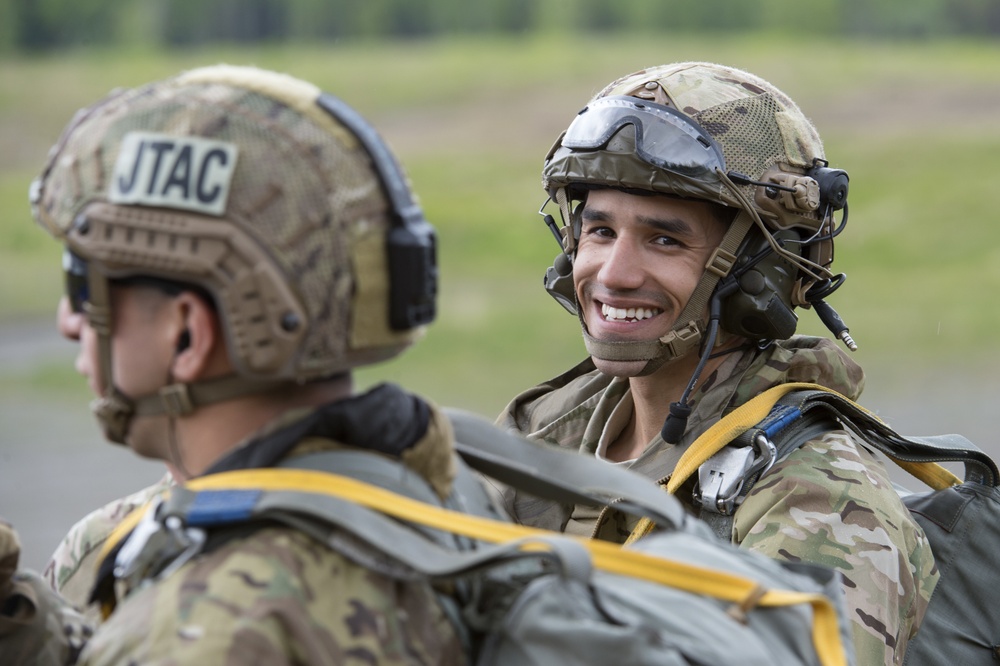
(55, 466)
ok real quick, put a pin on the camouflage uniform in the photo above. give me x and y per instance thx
(829, 502)
(72, 568)
(277, 596)
(281, 209)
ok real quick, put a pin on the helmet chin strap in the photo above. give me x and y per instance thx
(115, 411)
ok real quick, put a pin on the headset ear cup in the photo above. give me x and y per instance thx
(558, 282)
(761, 307)
(412, 242)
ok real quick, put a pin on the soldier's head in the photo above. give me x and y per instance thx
(267, 214)
(738, 205)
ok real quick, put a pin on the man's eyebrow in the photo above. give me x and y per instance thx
(593, 215)
(671, 225)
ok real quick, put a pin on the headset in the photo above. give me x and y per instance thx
(411, 244)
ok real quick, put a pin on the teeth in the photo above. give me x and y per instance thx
(636, 314)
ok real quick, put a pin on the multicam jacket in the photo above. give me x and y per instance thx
(829, 502)
(72, 569)
(272, 595)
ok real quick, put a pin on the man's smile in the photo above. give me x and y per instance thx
(628, 314)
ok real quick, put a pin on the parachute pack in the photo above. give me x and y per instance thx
(521, 595)
(960, 517)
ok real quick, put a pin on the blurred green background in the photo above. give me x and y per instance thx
(906, 96)
(915, 125)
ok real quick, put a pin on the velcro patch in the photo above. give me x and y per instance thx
(185, 172)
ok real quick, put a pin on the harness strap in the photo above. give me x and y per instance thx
(355, 506)
(807, 408)
(558, 475)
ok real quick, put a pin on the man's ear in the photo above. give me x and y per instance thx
(200, 346)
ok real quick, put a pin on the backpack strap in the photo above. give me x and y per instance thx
(732, 454)
(920, 456)
(558, 475)
(555, 474)
(370, 514)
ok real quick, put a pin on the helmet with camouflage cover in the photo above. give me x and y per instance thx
(274, 198)
(717, 134)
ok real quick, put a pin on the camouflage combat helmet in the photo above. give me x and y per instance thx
(713, 133)
(273, 197)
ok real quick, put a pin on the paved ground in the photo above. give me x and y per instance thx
(54, 466)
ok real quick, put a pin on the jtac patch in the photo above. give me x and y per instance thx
(186, 172)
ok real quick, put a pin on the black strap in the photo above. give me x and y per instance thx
(819, 406)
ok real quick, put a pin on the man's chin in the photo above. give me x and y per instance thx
(620, 368)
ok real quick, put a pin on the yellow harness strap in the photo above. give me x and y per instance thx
(747, 416)
(743, 592)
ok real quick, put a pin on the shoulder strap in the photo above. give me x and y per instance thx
(559, 475)
(545, 471)
(917, 455)
(779, 420)
(361, 509)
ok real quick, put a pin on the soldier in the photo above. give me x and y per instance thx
(698, 211)
(236, 242)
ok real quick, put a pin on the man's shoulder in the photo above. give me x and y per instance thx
(254, 596)
(831, 502)
(836, 499)
(835, 460)
(70, 569)
(541, 405)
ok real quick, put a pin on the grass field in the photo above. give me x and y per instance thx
(914, 124)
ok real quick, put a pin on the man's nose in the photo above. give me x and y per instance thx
(622, 267)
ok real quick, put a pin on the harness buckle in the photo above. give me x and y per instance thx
(176, 400)
(156, 547)
(721, 477)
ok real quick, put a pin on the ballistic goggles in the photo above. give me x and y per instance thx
(664, 138)
(77, 286)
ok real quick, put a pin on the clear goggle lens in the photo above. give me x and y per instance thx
(664, 137)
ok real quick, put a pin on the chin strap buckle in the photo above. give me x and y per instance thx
(176, 400)
(680, 341)
(721, 477)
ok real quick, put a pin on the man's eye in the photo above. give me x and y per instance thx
(603, 232)
(667, 240)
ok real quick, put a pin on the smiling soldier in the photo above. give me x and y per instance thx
(698, 211)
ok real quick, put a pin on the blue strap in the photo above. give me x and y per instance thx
(780, 417)
(218, 507)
